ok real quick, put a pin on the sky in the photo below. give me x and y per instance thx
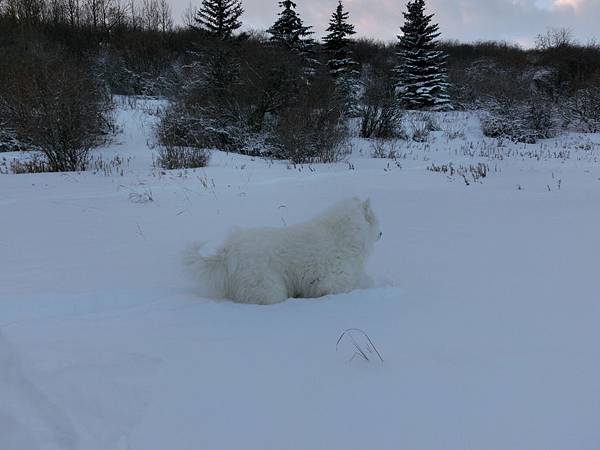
(516, 21)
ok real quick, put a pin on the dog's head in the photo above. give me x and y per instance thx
(373, 223)
(354, 220)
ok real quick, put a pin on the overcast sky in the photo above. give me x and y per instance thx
(466, 20)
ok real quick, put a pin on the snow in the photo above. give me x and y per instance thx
(486, 316)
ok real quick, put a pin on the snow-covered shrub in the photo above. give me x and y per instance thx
(508, 125)
(582, 110)
(541, 118)
(200, 127)
(495, 126)
(521, 121)
(9, 142)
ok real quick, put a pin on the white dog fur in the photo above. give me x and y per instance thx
(264, 266)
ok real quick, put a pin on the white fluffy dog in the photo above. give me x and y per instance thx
(264, 266)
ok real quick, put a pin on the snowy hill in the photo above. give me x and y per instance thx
(486, 316)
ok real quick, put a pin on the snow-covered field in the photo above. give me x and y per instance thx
(487, 318)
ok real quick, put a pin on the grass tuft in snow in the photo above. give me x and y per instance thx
(470, 173)
(35, 164)
(172, 157)
(141, 197)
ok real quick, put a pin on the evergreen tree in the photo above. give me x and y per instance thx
(289, 30)
(215, 77)
(220, 18)
(341, 64)
(421, 76)
(337, 43)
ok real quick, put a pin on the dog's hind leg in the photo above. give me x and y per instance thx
(271, 296)
(268, 292)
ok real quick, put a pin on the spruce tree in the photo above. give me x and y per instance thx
(220, 18)
(421, 76)
(341, 64)
(289, 30)
(337, 43)
(215, 109)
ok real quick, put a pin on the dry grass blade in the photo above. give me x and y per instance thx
(360, 350)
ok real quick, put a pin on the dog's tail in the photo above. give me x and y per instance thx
(210, 270)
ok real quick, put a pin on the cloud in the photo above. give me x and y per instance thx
(574, 4)
(465, 20)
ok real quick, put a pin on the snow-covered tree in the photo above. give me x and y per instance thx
(421, 76)
(220, 18)
(337, 43)
(289, 30)
(341, 64)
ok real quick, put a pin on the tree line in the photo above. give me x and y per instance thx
(279, 92)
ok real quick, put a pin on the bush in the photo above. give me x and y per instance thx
(380, 115)
(314, 129)
(311, 135)
(9, 141)
(582, 110)
(176, 157)
(380, 121)
(524, 121)
(230, 96)
(52, 101)
(186, 126)
(541, 118)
